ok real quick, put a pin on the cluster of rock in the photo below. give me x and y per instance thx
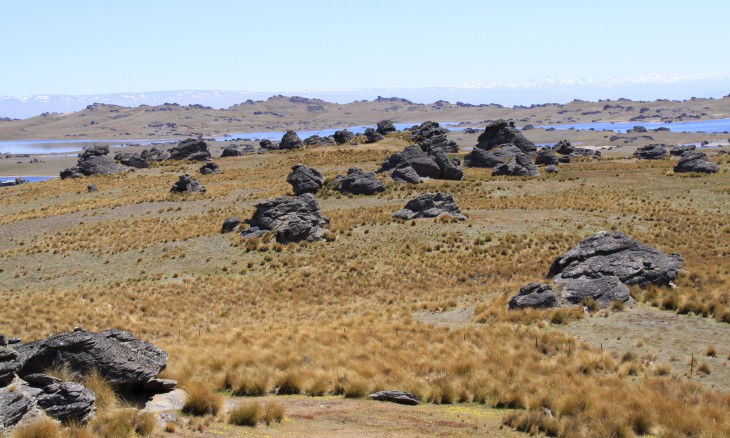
(416, 162)
(504, 149)
(568, 151)
(359, 182)
(651, 152)
(600, 267)
(191, 149)
(695, 161)
(235, 150)
(125, 362)
(209, 169)
(430, 205)
(313, 140)
(428, 134)
(94, 161)
(677, 151)
(291, 219)
(187, 184)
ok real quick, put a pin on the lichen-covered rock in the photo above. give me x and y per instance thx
(535, 295)
(292, 219)
(695, 161)
(359, 182)
(13, 407)
(304, 179)
(430, 205)
(67, 401)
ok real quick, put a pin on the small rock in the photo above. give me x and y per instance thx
(91, 188)
(535, 295)
(430, 205)
(400, 397)
(209, 169)
(187, 184)
(230, 224)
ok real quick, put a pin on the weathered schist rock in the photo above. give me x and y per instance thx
(343, 136)
(317, 140)
(94, 161)
(651, 152)
(433, 163)
(430, 205)
(190, 149)
(372, 136)
(406, 174)
(563, 147)
(535, 295)
(268, 145)
(231, 151)
(290, 140)
(209, 169)
(677, 151)
(520, 165)
(551, 168)
(506, 159)
(431, 135)
(230, 224)
(385, 127)
(131, 160)
(400, 397)
(187, 184)
(546, 156)
(603, 290)
(292, 219)
(695, 161)
(304, 179)
(154, 154)
(500, 132)
(359, 182)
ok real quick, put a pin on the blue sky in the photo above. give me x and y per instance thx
(87, 47)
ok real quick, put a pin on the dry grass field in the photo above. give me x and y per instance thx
(386, 304)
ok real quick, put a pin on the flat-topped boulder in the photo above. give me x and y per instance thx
(292, 219)
(651, 152)
(677, 151)
(190, 149)
(695, 161)
(400, 397)
(290, 140)
(187, 184)
(94, 161)
(359, 182)
(534, 295)
(506, 159)
(603, 290)
(430, 205)
(500, 132)
(305, 179)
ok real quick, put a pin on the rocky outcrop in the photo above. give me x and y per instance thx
(290, 140)
(359, 182)
(314, 140)
(603, 290)
(430, 135)
(695, 161)
(154, 154)
(500, 132)
(190, 149)
(535, 295)
(209, 169)
(506, 159)
(14, 406)
(235, 150)
(563, 147)
(230, 224)
(400, 397)
(304, 179)
(8, 364)
(406, 174)
(292, 219)
(677, 151)
(343, 136)
(372, 136)
(131, 160)
(432, 164)
(93, 161)
(187, 184)
(430, 205)
(651, 152)
(615, 254)
(268, 145)
(546, 156)
(520, 165)
(385, 127)
(64, 401)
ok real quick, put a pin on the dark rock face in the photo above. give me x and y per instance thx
(187, 184)
(500, 132)
(506, 159)
(521, 165)
(546, 156)
(551, 169)
(190, 149)
(677, 151)
(121, 358)
(154, 154)
(231, 151)
(695, 161)
(343, 136)
(230, 224)
(68, 401)
(314, 140)
(9, 364)
(565, 159)
(604, 290)
(432, 164)
(615, 254)
(651, 152)
(430, 135)
(293, 219)
(304, 179)
(563, 147)
(93, 161)
(536, 295)
(385, 127)
(269, 145)
(400, 397)
(13, 407)
(209, 169)
(372, 136)
(91, 188)
(358, 182)
(290, 140)
(131, 160)
(430, 205)
(405, 174)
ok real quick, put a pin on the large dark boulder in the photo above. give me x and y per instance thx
(400, 397)
(190, 149)
(231, 151)
(14, 405)
(304, 179)
(268, 145)
(535, 295)
(521, 165)
(67, 401)
(507, 159)
(385, 127)
(604, 290)
(290, 140)
(695, 161)
(187, 184)
(677, 151)
(430, 205)
(449, 168)
(563, 147)
(343, 136)
(293, 219)
(230, 224)
(372, 136)
(93, 161)
(359, 182)
(500, 132)
(651, 152)
(431, 135)
(615, 254)
(546, 156)
(154, 154)
(119, 357)
(209, 169)
(406, 174)
(432, 164)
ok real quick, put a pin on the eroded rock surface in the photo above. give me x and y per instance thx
(187, 184)
(400, 397)
(651, 152)
(292, 219)
(535, 295)
(359, 182)
(305, 179)
(94, 161)
(290, 140)
(190, 149)
(695, 161)
(430, 205)
(500, 132)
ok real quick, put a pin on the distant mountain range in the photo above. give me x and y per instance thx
(533, 92)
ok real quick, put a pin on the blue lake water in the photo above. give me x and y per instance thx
(276, 135)
(29, 178)
(715, 126)
(64, 146)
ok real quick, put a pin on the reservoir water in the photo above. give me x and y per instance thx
(715, 126)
